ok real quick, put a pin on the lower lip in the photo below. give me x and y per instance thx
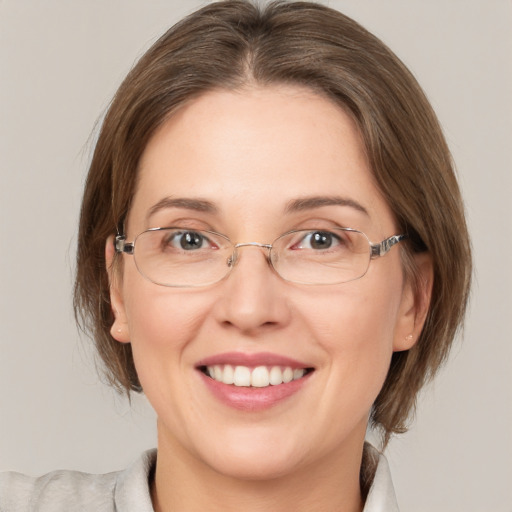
(251, 398)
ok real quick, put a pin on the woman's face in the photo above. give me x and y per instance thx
(243, 160)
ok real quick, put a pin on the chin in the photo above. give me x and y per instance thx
(256, 455)
(264, 467)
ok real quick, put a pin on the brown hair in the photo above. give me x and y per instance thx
(231, 43)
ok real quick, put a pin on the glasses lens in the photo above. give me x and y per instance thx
(181, 257)
(321, 256)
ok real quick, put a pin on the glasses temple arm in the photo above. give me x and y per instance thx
(121, 245)
(384, 246)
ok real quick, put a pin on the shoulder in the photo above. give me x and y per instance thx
(73, 491)
(59, 490)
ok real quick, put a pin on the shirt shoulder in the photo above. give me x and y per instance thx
(74, 491)
(57, 491)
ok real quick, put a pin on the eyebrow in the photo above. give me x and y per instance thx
(310, 203)
(198, 205)
(296, 205)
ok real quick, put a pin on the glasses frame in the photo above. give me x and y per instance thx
(376, 251)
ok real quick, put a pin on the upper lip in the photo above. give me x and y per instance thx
(252, 360)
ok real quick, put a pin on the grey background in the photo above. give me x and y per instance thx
(60, 63)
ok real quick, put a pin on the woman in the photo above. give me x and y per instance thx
(272, 246)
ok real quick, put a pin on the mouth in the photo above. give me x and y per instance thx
(253, 382)
(254, 377)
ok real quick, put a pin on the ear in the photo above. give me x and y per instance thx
(119, 329)
(416, 296)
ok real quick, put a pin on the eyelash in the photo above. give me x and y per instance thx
(178, 236)
(334, 238)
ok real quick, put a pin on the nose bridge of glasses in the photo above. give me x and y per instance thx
(234, 256)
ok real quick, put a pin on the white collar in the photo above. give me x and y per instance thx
(381, 497)
(132, 484)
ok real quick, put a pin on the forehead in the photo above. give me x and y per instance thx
(255, 151)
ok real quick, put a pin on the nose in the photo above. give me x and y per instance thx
(254, 296)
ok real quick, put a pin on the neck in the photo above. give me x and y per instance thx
(185, 483)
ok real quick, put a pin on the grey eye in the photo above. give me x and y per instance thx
(186, 240)
(191, 240)
(321, 240)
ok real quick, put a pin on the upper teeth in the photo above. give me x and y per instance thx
(258, 377)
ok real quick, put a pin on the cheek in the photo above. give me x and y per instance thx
(355, 329)
(153, 321)
(352, 318)
(161, 322)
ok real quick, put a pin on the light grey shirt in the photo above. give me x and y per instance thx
(128, 490)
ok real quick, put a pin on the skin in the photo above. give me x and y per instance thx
(250, 153)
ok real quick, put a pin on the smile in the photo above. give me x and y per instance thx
(258, 377)
(253, 382)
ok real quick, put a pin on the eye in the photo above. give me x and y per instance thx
(187, 240)
(318, 240)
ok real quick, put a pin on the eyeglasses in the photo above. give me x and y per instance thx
(181, 257)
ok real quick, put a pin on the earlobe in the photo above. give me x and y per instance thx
(415, 303)
(119, 329)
